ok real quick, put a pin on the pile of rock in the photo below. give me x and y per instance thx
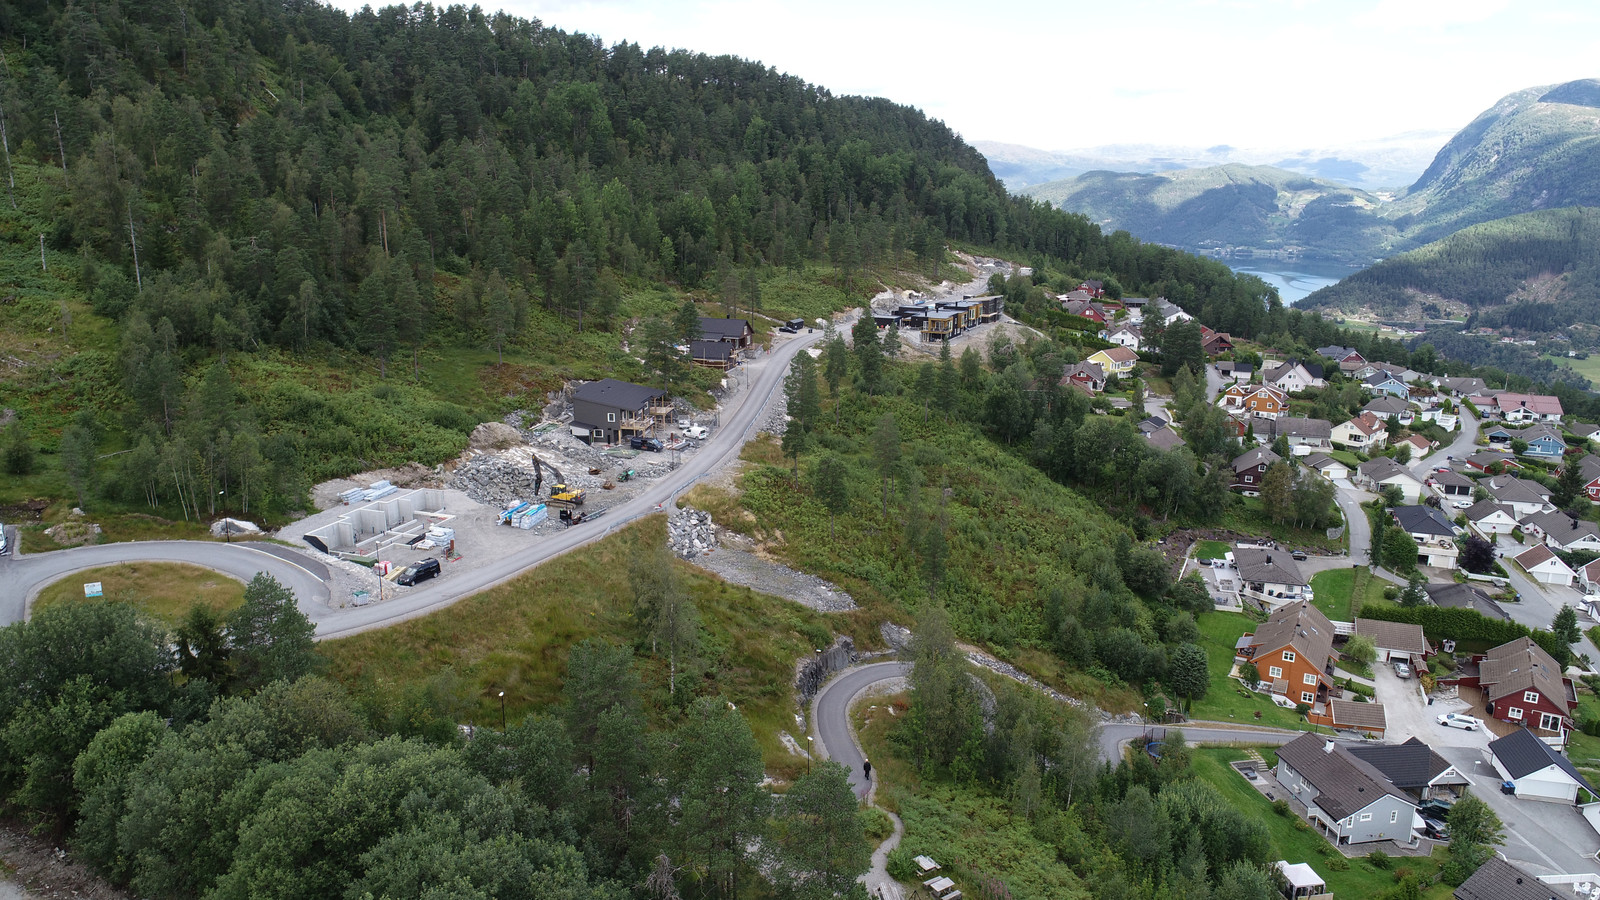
(690, 533)
(73, 534)
(493, 480)
(495, 436)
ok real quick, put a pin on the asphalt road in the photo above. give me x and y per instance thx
(23, 577)
(1549, 837)
(1465, 444)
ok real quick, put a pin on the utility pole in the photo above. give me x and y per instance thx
(11, 178)
(42, 264)
(502, 711)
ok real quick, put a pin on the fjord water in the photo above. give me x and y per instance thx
(1294, 279)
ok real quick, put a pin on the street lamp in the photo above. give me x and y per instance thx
(227, 531)
(502, 710)
(810, 752)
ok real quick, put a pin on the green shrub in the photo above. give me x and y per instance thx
(1281, 807)
(1467, 625)
(876, 823)
(1338, 863)
(901, 864)
(1379, 859)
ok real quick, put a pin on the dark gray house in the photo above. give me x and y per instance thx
(732, 331)
(713, 354)
(1497, 879)
(609, 411)
(1414, 768)
(1347, 797)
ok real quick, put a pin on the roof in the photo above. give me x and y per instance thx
(1521, 665)
(1418, 441)
(713, 350)
(1563, 528)
(1345, 783)
(1320, 461)
(1296, 426)
(1483, 509)
(1301, 626)
(1582, 429)
(1590, 467)
(1509, 489)
(1464, 596)
(1468, 386)
(1117, 354)
(1537, 555)
(1591, 572)
(1164, 438)
(1368, 424)
(1273, 373)
(1411, 766)
(1423, 520)
(1252, 458)
(1336, 352)
(1377, 378)
(722, 329)
(1535, 432)
(1358, 715)
(1523, 754)
(1542, 404)
(620, 394)
(1387, 405)
(1497, 879)
(1299, 875)
(1399, 636)
(1453, 478)
(1383, 468)
(1483, 459)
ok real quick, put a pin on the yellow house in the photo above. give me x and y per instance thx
(1115, 360)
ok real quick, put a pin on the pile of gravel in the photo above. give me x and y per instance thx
(493, 480)
(690, 533)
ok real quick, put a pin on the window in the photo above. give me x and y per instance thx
(1394, 816)
(1366, 817)
(1307, 697)
(1288, 656)
(1309, 678)
(1530, 696)
(1549, 722)
(1275, 672)
(1514, 712)
(611, 417)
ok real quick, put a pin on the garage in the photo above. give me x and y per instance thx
(1395, 641)
(1537, 769)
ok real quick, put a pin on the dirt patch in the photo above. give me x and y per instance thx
(407, 477)
(46, 871)
(24, 513)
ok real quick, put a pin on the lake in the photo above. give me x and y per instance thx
(1294, 279)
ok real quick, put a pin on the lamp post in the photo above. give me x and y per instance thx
(502, 710)
(810, 752)
(227, 530)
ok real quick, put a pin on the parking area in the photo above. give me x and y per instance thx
(1410, 716)
(1544, 837)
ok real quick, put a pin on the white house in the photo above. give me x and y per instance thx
(1381, 471)
(1589, 578)
(1489, 518)
(1292, 376)
(1326, 466)
(1127, 336)
(1537, 769)
(1542, 563)
(1435, 536)
(1525, 497)
(1562, 532)
(1364, 432)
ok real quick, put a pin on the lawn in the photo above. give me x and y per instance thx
(165, 590)
(1583, 749)
(1346, 457)
(1341, 592)
(1361, 879)
(1227, 698)
(515, 638)
(1247, 517)
(1588, 368)
(1211, 550)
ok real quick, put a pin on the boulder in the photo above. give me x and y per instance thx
(495, 436)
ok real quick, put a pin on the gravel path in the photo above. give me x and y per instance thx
(744, 568)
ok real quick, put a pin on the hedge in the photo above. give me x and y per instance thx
(1467, 625)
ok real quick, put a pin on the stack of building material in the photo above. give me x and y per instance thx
(379, 489)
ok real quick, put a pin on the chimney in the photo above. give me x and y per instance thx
(1327, 747)
(1269, 559)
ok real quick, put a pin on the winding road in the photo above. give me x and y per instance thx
(22, 577)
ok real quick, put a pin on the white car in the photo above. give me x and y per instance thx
(1462, 504)
(1460, 720)
(698, 432)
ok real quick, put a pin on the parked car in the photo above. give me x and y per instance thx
(5, 548)
(646, 443)
(1462, 504)
(1298, 555)
(1402, 670)
(419, 571)
(698, 432)
(787, 330)
(1435, 828)
(1460, 720)
(1435, 809)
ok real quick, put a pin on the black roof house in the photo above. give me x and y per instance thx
(1497, 879)
(1521, 752)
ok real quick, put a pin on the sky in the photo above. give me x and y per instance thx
(1068, 74)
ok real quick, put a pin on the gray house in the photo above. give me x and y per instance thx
(1345, 796)
(608, 410)
(733, 331)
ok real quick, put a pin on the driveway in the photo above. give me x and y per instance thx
(1409, 715)
(1357, 527)
(1465, 444)
(1546, 837)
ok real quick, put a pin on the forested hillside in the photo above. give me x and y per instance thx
(307, 201)
(1483, 270)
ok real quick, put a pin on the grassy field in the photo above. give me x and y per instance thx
(165, 590)
(1211, 550)
(1247, 517)
(515, 638)
(1346, 457)
(1588, 368)
(1362, 879)
(1583, 749)
(1228, 699)
(1341, 592)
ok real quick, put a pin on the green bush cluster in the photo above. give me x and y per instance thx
(1467, 625)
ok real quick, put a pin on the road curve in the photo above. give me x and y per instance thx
(23, 577)
(835, 739)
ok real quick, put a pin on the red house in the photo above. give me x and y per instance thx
(1524, 685)
(1590, 467)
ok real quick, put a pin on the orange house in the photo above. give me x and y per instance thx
(1293, 650)
(1260, 400)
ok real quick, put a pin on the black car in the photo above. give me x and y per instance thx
(419, 571)
(787, 330)
(646, 443)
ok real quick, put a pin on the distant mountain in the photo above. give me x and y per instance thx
(1537, 272)
(1230, 206)
(1381, 164)
(1535, 149)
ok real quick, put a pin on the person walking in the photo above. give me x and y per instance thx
(866, 768)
